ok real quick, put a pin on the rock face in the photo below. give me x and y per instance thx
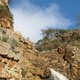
(32, 64)
(6, 18)
(9, 56)
(72, 56)
(71, 53)
(4, 2)
(54, 60)
(19, 59)
(66, 59)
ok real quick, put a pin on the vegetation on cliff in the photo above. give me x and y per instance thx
(6, 17)
(53, 38)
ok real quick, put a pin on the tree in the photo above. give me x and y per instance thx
(78, 23)
(48, 41)
(49, 34)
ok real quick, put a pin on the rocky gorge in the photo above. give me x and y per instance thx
(20, 60)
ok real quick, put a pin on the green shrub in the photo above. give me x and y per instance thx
(15, 42)
(74, 38)
(23, 72)
(3, 39)
(48, 45)
(78, 45)
(6, 10)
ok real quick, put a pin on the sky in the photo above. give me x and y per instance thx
(30, 16)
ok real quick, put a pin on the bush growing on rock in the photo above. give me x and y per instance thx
(53, 38)
(5, 10)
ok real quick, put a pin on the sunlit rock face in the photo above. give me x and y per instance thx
(10, 68)
(4, 2)
(55, 61)
(19, 60)
(66, 59)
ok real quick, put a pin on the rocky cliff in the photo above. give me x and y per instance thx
(19, 60)
(9, 55)
(66, 58)
(6, 17)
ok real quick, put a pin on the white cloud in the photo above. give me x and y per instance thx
(29, 19)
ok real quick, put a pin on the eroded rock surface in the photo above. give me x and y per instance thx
(32, 64)
(9, 56)
(19, 59)
(54, 60)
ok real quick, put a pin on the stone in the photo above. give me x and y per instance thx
(74, 70)
(37, 78)
(79, 65)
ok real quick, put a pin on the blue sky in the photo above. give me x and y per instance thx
(30, 16)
